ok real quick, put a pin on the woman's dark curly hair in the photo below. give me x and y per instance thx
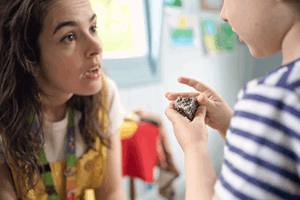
(21, 23)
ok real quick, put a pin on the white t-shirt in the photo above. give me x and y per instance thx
(55, 133)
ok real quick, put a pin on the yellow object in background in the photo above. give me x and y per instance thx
(182, 23)
(132, 116)
(211, 44)
(89, 194)
(128, 129)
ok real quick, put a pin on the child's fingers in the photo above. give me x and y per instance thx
(202, 99)
(170, 110)
(200, 113)
(197, 85)
(173, 95)
(171, 113)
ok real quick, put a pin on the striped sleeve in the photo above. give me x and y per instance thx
(262, 150)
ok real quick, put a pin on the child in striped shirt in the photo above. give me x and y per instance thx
(262, 150)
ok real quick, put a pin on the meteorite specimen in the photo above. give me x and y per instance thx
(186, 106)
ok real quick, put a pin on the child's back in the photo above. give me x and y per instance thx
(262, 142)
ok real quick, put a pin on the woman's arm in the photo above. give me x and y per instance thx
(7, 189)
(112, 187)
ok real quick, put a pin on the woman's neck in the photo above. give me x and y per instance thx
(54, 108)
(55, 114)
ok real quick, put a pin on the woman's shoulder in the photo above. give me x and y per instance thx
(112, 91)
(111, 85)
(116, 110)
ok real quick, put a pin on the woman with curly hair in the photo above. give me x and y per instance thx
(59, 114)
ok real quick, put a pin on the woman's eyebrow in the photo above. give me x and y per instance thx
(70, 23)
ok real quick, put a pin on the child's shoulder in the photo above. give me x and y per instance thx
(286, 77)
(277, 84)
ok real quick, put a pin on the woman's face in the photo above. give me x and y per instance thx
(68, 50)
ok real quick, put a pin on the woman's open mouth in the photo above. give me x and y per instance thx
(93, 73)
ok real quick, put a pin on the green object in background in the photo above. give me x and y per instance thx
(226, 38)
(218, 38)
(182, 38)
(188, 33)
(173, 3)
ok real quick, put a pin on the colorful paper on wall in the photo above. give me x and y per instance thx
(227, 39)
(217, 37)
(209, 31)
(182, 30)
(173, 3)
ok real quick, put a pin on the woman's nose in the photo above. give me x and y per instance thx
(95, 47)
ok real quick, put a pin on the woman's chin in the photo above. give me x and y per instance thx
(91, 92)
(90, 89)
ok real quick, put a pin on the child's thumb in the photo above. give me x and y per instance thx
(200, 113)
(202, 100)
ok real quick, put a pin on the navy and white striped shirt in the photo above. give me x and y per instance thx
(262, 150)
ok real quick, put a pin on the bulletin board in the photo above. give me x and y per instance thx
(200, 28)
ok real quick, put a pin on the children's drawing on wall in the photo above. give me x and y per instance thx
(182, 31)
(217, 37)
(227, 39)
(209, 31)
(173, 3)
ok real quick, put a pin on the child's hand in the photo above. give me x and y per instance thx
(188, 132)
(218, 111)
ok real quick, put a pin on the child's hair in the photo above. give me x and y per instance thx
(21, 22)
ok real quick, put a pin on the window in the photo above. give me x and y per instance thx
(130, 50)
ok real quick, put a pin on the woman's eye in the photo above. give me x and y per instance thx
(94, 29)
(68, 38)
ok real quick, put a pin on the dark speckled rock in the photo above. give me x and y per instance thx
(186, 106)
